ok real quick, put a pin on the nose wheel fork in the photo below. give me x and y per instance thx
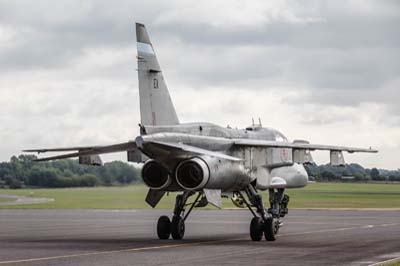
(266, 222)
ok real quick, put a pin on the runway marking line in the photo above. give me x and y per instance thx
(385, 261)
(192, 244)
(117, 251)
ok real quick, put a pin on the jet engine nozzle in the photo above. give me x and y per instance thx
(211, 173)
(192, 174)
(155, 176)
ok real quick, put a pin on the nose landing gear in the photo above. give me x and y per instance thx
(266, 222)
(271, 228)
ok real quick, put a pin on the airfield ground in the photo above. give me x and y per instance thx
(215, 237)
(109, 226)
(315, 195)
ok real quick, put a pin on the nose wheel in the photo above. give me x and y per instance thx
(265, 222)
(268, 228)
(271, 229)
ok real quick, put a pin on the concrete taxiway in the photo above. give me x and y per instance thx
(128, 237)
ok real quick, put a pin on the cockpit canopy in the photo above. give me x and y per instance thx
(267, 133)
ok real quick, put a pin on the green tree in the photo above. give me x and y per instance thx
(375, 174)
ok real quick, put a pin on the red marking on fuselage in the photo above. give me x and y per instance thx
(284, 154)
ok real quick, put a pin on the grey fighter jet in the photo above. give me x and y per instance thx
(207, 161)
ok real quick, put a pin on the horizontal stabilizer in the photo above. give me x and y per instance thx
(84, 151)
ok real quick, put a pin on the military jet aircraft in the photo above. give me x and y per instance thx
(206, 161)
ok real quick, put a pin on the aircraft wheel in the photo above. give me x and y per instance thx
(163, 227)
(256, 229)
(271, 229)
(177, 227)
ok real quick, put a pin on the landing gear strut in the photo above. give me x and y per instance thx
(176, 227)
(266, 221)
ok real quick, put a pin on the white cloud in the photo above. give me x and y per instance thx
(326, 71)
(227, 14)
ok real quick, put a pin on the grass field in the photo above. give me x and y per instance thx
(5, 199)
(394, 263)
(316, 195)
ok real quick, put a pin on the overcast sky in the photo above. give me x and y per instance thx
(325, 71)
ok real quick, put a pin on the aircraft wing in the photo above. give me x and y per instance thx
(301, 146)
(181, 150)
(84, 150)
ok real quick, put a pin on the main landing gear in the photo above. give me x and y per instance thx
(176, 226)
(266, 222)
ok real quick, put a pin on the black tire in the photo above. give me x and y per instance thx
(271, 229)
(177, 227)
(163, 227)
(256, 229)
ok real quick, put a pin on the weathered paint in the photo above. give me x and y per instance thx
(257, 163)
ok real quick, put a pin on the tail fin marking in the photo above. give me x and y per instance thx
(156, 107)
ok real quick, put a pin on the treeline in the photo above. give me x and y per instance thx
(21, 171)
(350, 172)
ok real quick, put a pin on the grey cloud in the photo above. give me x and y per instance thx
(342, 49)
(392, 116)
(53, 39)
(345, 50)
(327, 24)
(338, 53)
(389, 96)
(360, 72)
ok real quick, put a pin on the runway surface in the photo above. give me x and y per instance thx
(128, 237)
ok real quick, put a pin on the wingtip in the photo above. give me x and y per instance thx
(373, 150)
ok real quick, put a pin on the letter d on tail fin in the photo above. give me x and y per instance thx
(156, 107)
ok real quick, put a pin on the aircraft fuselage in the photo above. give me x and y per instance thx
(255, 166)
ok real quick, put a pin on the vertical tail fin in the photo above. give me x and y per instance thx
(156, 106)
